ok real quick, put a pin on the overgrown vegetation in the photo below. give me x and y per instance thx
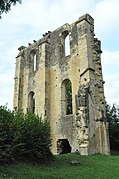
(87, 167)
(23, 137)
(113, 118)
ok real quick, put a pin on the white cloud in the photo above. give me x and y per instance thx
(107, 23)
(111, 89)
(110, 63)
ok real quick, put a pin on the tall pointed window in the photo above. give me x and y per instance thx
(66, 97)
(31, 101)
(65, 42)
(34, 62)
(68, 90)
(67, 45)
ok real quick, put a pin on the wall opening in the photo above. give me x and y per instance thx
(33, 56)
(63, 146)
(67, 45)
(34, 62)
(31, 101)
(65, 42)
(66, 97)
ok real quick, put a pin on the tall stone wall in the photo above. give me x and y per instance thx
(42, 71)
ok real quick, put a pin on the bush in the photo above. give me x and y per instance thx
(24, 137)
(31, 138)
(6, 134)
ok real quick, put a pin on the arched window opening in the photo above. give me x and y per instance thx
(34, 60)
(31, 100)
(68, 89)
(66, 92)
(34, 63)
(33, 106)
(67, 45)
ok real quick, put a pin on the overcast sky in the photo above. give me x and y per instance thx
(28, 21)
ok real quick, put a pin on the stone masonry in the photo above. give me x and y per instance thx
(43, 69)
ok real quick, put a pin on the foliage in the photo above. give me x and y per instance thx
(113, 118)
(31, 137)
(23, 137)
(5, 5)
(69, 97)
(89, 167)
(6, 134)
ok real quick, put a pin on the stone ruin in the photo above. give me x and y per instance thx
(59, 77)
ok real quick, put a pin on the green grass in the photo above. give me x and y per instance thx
(90, 167)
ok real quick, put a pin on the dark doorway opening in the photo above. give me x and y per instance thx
(63, 146)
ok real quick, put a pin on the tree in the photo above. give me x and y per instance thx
(113, 118)
(5, 5)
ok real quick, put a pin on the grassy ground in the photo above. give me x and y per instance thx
(89, 167)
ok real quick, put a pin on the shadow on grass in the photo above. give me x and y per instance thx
(114, 152)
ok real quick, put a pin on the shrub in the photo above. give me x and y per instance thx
(31, 138)
(6, 134)
(24, 137)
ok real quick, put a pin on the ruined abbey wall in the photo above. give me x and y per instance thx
(43, 69)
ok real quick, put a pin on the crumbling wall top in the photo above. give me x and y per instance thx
(86, 17)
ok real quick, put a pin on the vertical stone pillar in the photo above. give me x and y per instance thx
(18, 84)
(40, 82)
(85, 30)
(85, 37)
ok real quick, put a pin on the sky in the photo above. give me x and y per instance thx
(28, 21)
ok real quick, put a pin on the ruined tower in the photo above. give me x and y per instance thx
(59, 77)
